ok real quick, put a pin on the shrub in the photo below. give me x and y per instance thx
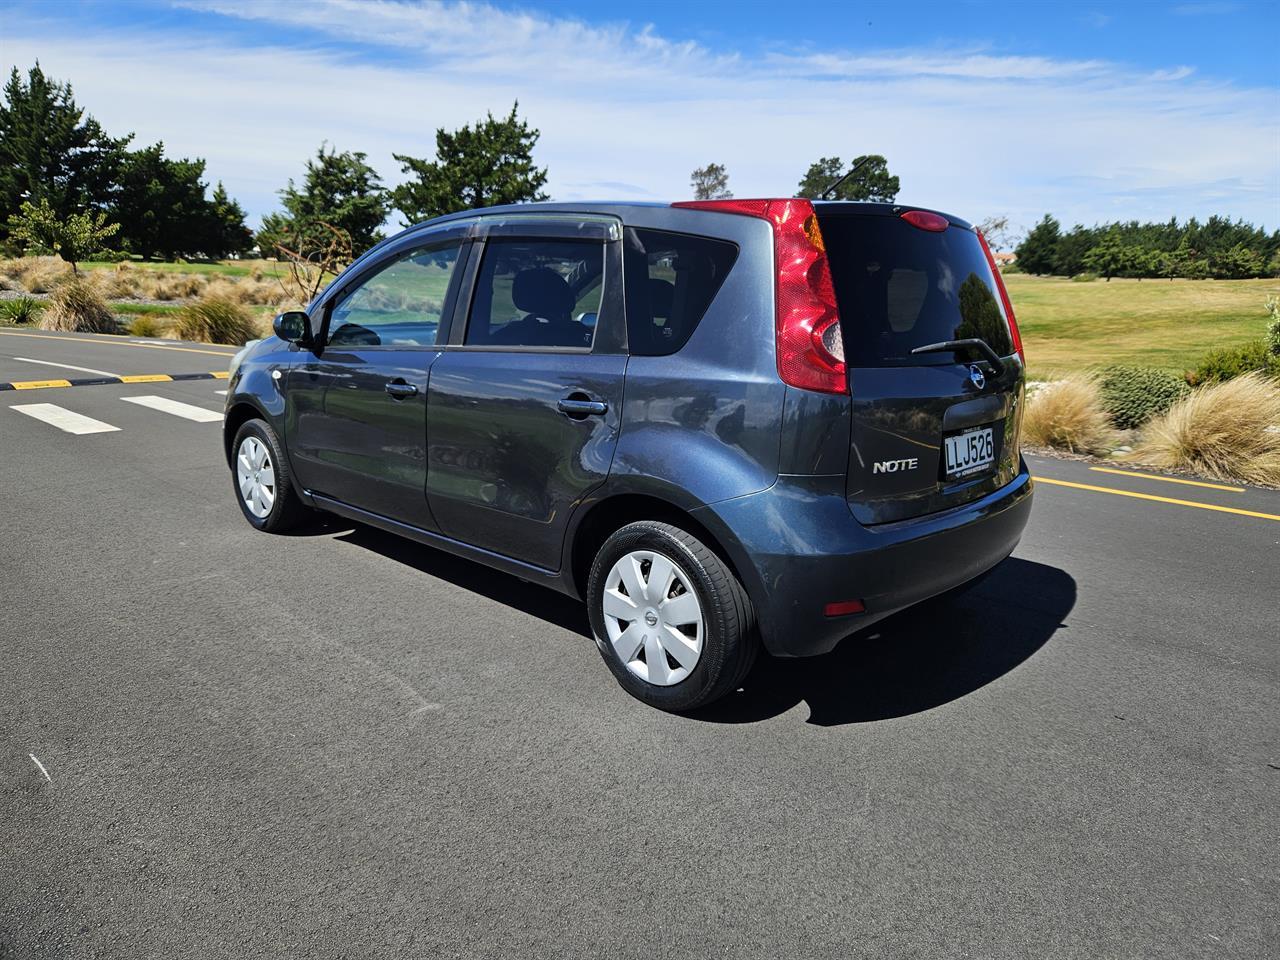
(1067, 415)
(211, 320)
(76, 305)
(20, 309)
(1227, 363)
(1084, 278)
(1224, 430)
(1133, 395)
(109, 256)
(1273, 328)
(148, 325)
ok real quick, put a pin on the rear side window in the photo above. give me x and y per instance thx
(537, 293)
(900, 287)
(671, 280)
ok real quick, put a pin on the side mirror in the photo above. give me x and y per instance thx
(293, 326)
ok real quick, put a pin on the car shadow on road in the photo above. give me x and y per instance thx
(919, 659)
(538, 601)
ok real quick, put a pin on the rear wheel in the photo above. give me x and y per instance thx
(264, 487)
(670, 618)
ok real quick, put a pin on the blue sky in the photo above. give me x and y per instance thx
(1091, 111)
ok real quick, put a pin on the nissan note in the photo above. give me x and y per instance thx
(724, 425)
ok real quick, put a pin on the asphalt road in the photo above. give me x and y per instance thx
(217, 743)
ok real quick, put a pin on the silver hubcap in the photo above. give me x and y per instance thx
(653, 617)
(256, 476)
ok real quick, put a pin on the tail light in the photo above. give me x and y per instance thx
(810, 346)
(1004, 298)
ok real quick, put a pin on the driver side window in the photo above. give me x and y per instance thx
(399, 306)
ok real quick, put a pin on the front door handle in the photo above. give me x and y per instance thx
(579, 406)
(401, 389)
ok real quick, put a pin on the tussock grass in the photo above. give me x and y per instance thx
(36, 274)
(1067, 415)
(210, 320)
(76, 305)
(246, 290)
(149, 325)
(1220, 430)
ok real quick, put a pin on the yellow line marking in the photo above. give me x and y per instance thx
(1148, 496)
(39, 384)
(221, 374)
(146, 378)
(1153, 476)
(118, 343)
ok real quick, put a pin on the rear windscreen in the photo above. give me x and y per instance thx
(900, 287)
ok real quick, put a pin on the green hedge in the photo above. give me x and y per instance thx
(1227, 363)
(1133, 395)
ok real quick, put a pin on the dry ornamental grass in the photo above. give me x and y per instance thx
(75, 305)
(1067, 415)
(1227, 430)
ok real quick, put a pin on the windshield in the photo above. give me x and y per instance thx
(901, 287)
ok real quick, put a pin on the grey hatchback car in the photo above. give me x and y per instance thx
(722, 424)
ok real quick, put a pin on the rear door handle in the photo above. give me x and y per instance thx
(580, 407)
(401, 389)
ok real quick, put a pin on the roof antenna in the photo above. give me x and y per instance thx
(858, 165)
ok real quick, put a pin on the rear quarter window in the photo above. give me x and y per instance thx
(900, 287)
(671, 279)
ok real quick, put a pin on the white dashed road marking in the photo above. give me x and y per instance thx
(68, 366)
(64, 420)
(185, 410)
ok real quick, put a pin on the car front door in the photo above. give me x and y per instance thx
(357, 401)
(524, 405)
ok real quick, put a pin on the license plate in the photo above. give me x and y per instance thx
(969, 452)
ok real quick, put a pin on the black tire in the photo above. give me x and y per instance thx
(730, 640)
(287, 511)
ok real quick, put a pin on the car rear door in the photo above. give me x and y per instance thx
(356, 402)
(524, 404)
(929, 430)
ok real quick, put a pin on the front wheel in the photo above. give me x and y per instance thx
(670, 618)
(264, 487)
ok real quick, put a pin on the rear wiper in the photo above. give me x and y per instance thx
(955, 346)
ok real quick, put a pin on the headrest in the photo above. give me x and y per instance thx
(543, 293)
(662, 295)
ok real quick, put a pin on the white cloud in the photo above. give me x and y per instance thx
(627, 114)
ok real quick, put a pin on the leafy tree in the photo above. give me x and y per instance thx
(50, 150)
(1070, 250)
(1110, 257)
(872, 181)
(482, 166)
(980, 316)
(161, 205)
(1038, 252)
(226, 233)
(710, 182)
(1238, 263)
(339, 191)
(72, 238)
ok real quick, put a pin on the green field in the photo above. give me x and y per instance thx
(1069, 326)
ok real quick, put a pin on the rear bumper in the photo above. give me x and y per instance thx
(797, 548)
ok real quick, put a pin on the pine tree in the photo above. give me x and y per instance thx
(710, 182)
(1038, 252)
(872, 181)
(50, 150)
(482, 166)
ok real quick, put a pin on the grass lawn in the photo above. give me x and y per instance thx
(136, 309)
(1068, 326)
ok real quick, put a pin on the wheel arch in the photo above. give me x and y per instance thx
(615, 511)
(240, 413)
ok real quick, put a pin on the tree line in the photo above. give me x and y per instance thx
(67, 186)
(1218, 248)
